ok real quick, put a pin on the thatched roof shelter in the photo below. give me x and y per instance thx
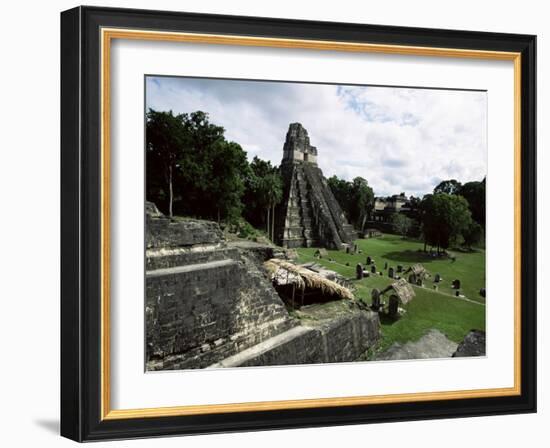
(284, 273)
(418, 270)
(402, 290)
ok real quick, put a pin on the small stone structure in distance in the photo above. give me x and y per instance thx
(309, 215)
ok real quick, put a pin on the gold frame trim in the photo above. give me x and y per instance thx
(107, 35)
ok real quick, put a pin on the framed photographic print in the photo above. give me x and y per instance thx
(273, 223)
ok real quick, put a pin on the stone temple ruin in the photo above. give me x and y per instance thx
(211, 303)
(309, 214)
(204, 299)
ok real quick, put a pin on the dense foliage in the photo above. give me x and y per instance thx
(356, 198)
(451, 186)
(193, 170)
(454, 214)
(263, 191)
(472, 234)
(445, 218)
(402, 224)
(165, 143)
(473, 192)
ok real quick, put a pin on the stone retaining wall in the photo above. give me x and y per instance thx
(343, 338)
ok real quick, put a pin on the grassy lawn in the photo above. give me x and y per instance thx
(429, 309)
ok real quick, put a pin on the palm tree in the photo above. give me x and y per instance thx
(272, 192)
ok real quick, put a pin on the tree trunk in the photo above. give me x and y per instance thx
(268, 220)
(170, 191)
(273, 223)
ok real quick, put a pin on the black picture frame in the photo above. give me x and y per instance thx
(81, 224)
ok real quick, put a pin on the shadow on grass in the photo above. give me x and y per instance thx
(387, 320)
(467, 250)
(413, 256)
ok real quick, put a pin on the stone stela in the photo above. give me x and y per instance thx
(309, 214)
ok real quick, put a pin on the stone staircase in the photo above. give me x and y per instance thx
(310, 215)
(340, 230)
(295, 223)
(205, 300)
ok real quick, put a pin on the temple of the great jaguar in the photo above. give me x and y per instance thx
(309, 214)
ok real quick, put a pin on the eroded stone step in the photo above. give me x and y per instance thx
(168, 258)
(189, 268)
(262, 348)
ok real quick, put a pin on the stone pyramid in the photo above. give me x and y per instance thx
(309, 215)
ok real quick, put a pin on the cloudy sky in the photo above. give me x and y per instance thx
(399, 139)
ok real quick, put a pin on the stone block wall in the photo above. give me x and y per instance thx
(346, 338)
(342, 338)
(188, 306)
(205, 300)
(199, 314)
(161, 232)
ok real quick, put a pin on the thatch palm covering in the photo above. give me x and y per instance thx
(402, 289)
(418, 270)
(285, 273)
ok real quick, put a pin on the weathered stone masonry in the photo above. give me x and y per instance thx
(210, 304)
(204, 300)
(342, 337)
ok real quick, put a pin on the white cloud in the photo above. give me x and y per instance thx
(399, 139)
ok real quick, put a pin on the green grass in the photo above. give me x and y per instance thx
(429, 309)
